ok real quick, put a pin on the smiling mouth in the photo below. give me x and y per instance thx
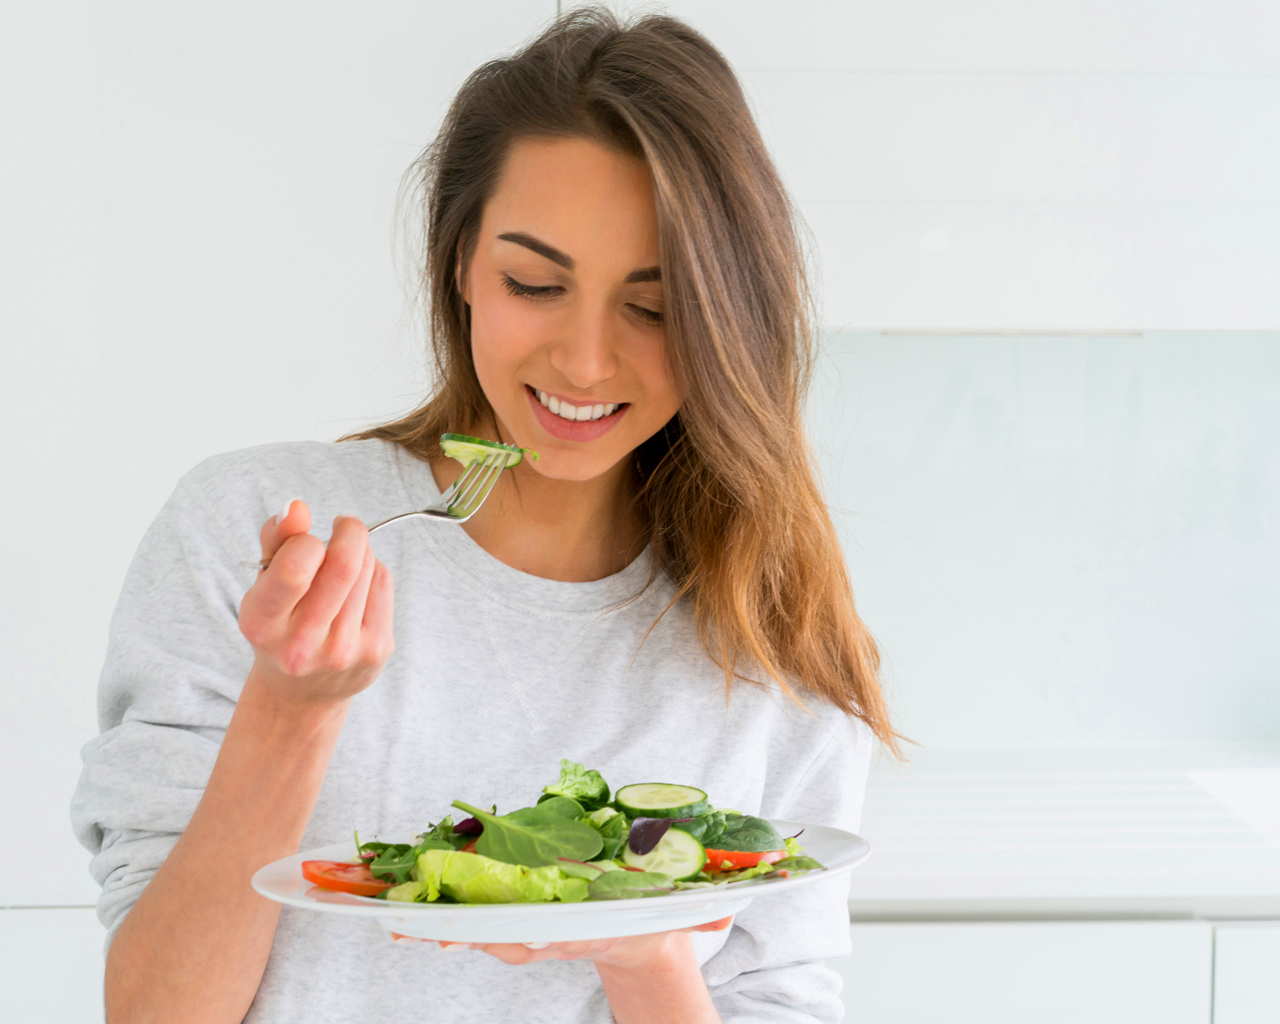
(576, 413)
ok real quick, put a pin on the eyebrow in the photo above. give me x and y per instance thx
(553, 254)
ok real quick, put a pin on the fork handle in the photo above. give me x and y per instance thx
(368, 526)
(464, 483)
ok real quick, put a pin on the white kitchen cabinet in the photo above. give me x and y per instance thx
(1020, 972)
(1246, 973)
(51, 966)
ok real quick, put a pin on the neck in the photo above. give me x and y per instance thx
(570, 530)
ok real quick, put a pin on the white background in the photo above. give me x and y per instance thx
(1068, 539)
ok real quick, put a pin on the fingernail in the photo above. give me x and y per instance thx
(283, 514)
(537, 945)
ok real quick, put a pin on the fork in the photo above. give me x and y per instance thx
(460, 501)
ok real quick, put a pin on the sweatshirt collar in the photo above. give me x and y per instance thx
(480, 570)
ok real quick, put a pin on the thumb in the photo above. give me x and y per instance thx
(294, 518)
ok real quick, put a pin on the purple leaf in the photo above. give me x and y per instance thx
(468, 827)
(797, 835)
(646, 834)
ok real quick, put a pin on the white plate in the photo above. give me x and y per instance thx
(282, 881)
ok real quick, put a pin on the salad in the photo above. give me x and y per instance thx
(573, 844)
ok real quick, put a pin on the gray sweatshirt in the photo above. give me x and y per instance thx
(496, 676)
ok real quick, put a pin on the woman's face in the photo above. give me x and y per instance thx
(566, 307)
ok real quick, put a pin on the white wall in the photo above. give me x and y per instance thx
(197, 207)
(1063, 540)
(1068, 164)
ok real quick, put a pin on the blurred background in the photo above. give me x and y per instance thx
(1047, 239)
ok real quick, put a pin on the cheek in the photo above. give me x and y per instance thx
(503, 335)
(653, 368)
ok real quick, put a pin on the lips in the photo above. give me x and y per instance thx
(575, 429)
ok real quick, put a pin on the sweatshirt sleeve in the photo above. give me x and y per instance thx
(175, 664)
(771, 967)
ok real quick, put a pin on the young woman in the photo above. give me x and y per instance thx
(614, 281)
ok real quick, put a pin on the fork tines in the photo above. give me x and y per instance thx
(466, 493)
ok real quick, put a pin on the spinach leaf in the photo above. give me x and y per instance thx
(547, 811)
(798, 864)
(534, 836)
(612, 826)
(748, 834)
(706, 828)
(584, 785)
(630, 885)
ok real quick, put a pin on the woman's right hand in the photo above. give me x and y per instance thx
(319, 618)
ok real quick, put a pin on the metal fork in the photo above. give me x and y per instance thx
(460, 501)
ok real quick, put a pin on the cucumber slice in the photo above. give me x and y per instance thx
(661, 800)
(469, 450)
(677, 854)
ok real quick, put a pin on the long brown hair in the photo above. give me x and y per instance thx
(728, 486)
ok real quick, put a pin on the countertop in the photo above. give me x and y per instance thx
(1158, 832)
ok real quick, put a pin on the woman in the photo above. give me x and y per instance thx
(614, 282)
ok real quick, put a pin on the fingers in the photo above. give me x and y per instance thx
(270, 603)
(711, 926)
(379, 614)
(292, 519)
(413, 940)
(346, 644)
(343, 564)
(516, 953)
(285, 534)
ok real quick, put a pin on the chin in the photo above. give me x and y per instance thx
(575, 467)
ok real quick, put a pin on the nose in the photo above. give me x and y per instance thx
(587, 353)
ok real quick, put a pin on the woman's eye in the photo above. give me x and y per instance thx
(649, 316)
(530, 291)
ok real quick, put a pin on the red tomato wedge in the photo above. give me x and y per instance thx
(343, 876)
(739, 859)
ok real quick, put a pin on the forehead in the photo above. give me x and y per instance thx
(586, 199)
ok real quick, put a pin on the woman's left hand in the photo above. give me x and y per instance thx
(652, 979)
(628, 952)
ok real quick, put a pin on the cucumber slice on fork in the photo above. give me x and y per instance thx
(470, 450)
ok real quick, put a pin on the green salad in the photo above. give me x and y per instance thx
(575, 843)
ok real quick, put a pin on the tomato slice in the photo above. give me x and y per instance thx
(739, 859)
(343, 876)
(470, 847)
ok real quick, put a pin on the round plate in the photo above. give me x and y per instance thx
(282, 881)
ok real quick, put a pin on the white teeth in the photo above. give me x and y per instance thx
(578, 414)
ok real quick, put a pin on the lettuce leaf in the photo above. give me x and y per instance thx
(472, 878)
